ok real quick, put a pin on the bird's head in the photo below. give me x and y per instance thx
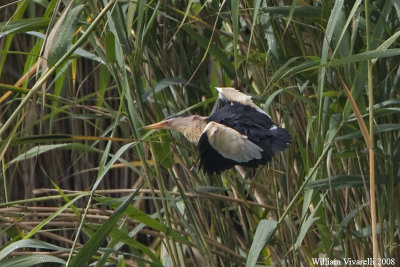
(171, 123)
(190, 126)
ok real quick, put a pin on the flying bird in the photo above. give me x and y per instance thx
(236, 133)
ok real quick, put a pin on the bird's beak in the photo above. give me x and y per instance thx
(158, 125)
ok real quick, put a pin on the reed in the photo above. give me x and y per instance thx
(82, 184)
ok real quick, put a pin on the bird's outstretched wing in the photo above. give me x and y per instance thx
(230, 143)
(230, 95)
(249, 125)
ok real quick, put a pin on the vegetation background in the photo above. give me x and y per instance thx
(81, 184)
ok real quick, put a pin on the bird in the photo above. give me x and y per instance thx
(237, 132)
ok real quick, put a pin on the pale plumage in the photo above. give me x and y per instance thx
(229, 95)
(190, 126)
(230, 143)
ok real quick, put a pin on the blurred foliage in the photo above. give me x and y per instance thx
(82, 184)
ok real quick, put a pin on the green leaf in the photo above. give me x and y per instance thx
(306, 225)
(27, 243)
(31, 260)
(161, 85)
(235, 29)
(351, 215)
(298, 11)
(118, 27)
(91, 246)
(83, 53)
(78, 52)
(342, 181)
(269, 33)
(341, 33)
(213, 50)
(23, 25)
(333, 20)
(35, 151)
(142, 217)
(381, 128)
(308, 195)
(63, 35)
(162, 153)
(125, 238)
(264, 231)
(110, 47)
(104, 169)
(6, 42)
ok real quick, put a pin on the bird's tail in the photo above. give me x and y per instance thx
(280, 139)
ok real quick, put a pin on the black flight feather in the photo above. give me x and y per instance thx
(257, 126)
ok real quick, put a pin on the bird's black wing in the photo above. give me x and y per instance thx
(229, 96)
(244, 119)
(210, 160)
(257, 126)
(221, 102)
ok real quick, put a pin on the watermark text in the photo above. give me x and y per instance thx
(352, 262)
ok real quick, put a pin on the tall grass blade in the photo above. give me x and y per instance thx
(39, 227)
(265, 230)
(27, 243)
(305, 226)
(90, 247)
(60, 38)
(32, 260)
(235, 30)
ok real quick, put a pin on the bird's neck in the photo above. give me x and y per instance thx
(194, 132)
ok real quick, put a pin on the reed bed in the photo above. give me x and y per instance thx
(83, 185)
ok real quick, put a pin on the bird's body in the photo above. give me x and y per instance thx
(253, 126)
(236, 133)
